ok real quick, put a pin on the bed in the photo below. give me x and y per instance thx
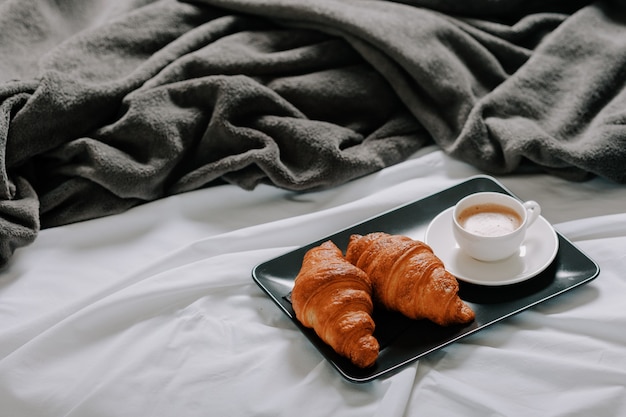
(157, 153)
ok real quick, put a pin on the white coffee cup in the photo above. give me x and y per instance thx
(491, 226)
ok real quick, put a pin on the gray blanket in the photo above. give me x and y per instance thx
(107, 104)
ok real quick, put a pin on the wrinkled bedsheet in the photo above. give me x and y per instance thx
(154, 312)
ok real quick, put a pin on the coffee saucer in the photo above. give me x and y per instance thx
(535, 255)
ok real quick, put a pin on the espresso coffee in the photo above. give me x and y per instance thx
(489, 219)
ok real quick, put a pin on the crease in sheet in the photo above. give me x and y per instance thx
(591, 228)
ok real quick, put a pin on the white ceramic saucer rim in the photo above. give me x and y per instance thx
(446, 257)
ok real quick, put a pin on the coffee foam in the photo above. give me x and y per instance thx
(489, 219)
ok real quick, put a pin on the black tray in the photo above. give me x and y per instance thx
(403, 340)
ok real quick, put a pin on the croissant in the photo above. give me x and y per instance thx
(407, 277)
(333, 297)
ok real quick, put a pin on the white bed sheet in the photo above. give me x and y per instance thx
(154, 312)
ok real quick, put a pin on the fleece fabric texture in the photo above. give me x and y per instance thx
(107, 104)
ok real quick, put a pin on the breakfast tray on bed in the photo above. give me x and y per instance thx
(403, 340)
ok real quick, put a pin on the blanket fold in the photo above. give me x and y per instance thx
(107, 104)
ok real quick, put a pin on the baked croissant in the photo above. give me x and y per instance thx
(333, 297)
(407, 277)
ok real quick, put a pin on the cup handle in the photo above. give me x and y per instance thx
(533, 210)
